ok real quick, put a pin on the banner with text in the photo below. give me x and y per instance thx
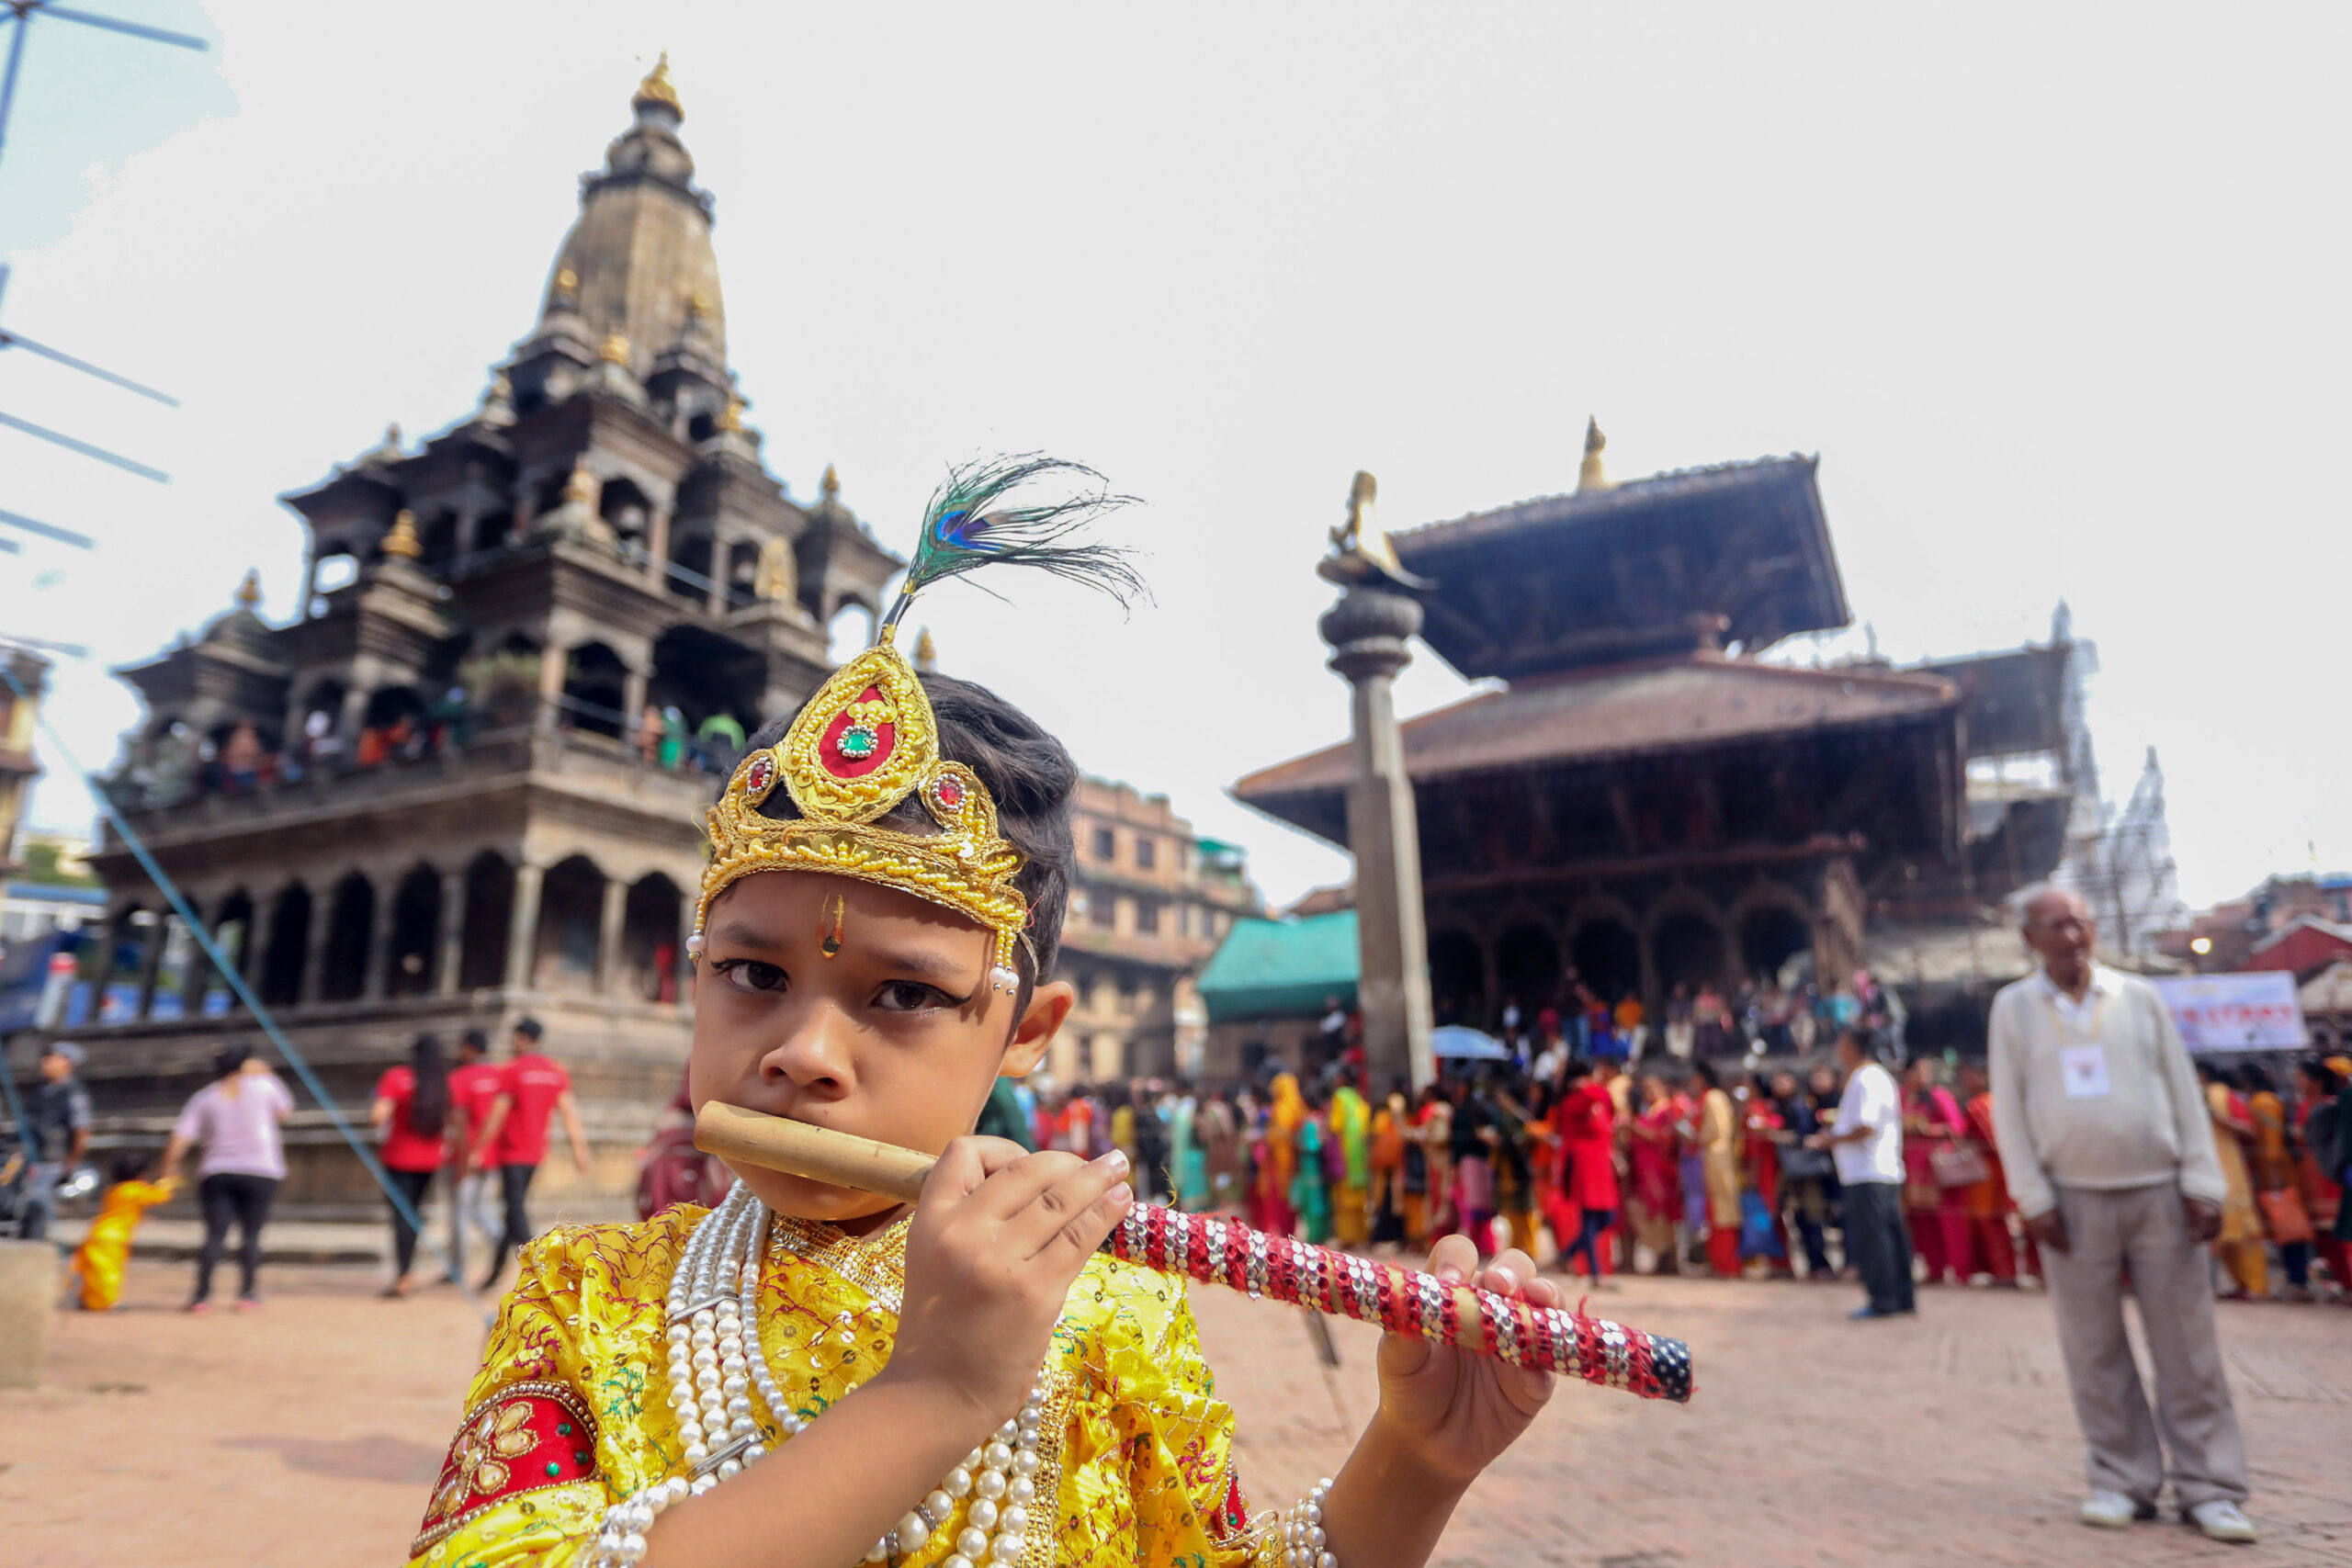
(2235, 1012)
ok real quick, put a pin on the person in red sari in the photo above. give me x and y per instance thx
(1987, 1203)
(1655, 1201)
(1586, 1123)
(1760, 1123)
(1931, 1123)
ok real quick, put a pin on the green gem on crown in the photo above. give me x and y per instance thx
(858, 742)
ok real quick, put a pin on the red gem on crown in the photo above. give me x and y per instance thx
(950, 792)
(759, 775)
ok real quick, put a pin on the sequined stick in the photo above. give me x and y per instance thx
(1279, 1268)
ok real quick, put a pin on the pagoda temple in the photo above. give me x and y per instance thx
(464, 784)
(1642, 802)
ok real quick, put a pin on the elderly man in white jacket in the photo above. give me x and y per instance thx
(2109, 1149)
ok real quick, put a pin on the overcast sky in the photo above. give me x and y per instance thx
(2056, 293)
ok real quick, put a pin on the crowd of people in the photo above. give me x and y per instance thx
(1758, 1017)
(1600, 1165)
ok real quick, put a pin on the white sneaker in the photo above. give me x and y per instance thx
(2220, 1520)
(2111, 1511)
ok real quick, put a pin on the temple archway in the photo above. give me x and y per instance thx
(1527, 968)
(1608, 956)
(490, 910)
(1770, 937)
(342, 967)
(416, 934)
(1689, 951)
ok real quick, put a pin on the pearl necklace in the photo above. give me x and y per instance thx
(717, 1363)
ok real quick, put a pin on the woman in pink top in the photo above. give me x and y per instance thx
(236, 1118)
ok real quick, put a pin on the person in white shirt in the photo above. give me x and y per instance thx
(2107, 1148)
(1867, 1139)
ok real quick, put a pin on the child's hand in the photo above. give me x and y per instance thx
(1454, 1409)
(997, 1241)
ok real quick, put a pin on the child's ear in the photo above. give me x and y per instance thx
(1048, 1006)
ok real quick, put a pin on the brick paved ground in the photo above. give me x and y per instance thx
(308, 1435)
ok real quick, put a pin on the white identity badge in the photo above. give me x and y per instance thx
(2085, 1070)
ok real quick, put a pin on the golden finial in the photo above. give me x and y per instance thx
(1589, 475)
(392, 436)
(698, 303)
(580, 489)
(616, 350)
(828, 488)
(402, 541)
(657, 88)
(730, 418)
(566, 281)
(249, 591)
(1360, 549)
(926, 652)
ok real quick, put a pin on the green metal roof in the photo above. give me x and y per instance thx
(1272, 968)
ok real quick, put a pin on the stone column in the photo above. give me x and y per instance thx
(554, 664)
(523, 929)
(633, 684)
(608, 936)
(259, 934)
(715, 601)
(1367, 630)
(150, 962)
(379, 944)
(314, 947)
(352, 718)
(453, 934)
(657, 546)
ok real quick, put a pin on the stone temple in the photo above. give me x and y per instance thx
(464, 784)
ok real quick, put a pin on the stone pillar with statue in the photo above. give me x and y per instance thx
(1370, 631)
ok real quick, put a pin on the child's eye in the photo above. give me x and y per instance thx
(751, 974)
(910, 995)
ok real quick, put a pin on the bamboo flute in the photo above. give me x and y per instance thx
(1224, 1252)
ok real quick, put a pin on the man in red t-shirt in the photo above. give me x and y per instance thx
(516, 1137)
(474, 1087)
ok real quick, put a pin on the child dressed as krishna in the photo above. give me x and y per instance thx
(809, 1376)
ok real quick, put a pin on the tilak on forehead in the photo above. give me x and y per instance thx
(868, 739)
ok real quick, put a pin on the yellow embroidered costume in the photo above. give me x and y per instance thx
(567, 1413)
(100, 1257)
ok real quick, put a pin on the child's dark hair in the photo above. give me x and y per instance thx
(129, 1165)
(1029, 775)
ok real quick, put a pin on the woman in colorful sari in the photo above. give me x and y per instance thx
(2239, 1246)
(1761, 1126)
(1186, 1164)
(1587, 1120)
(1655, 1201)
(2273, 1172)
(1428, 1167)
(1350, 1204)
(1310, 1184)
(1987, 1203)
(1932, 1123)
(2316, 1084)
(1718, 1144)
(1278, 1156)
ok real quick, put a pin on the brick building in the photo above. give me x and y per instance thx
(1149, 904)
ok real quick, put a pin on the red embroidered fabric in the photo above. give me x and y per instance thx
(528, 1437)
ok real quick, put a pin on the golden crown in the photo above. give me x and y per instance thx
(867, 740)
(862, 745)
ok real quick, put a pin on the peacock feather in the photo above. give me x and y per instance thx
(966, 526)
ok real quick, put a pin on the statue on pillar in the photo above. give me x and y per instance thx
(1370, 631)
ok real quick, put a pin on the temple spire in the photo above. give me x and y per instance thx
(249, 591)
(401, 543)
(1589, 473)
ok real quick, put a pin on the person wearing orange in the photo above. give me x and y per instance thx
(99, 1260)
(1986, 1204)
(1279, 1166)
(2239, 1246)
(2274, 1173)
(1387, 1160)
